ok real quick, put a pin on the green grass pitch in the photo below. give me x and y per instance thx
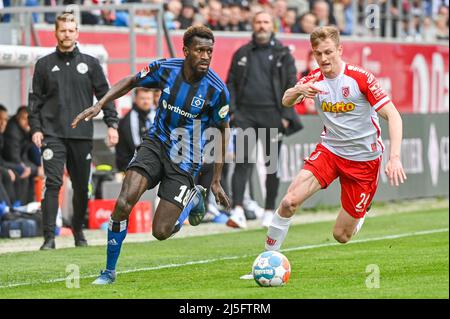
(410, 250)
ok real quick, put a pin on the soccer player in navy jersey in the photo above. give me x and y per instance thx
(193, 99)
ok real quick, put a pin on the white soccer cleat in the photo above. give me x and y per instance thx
(254, 207)
(267, 218)
(237, 218)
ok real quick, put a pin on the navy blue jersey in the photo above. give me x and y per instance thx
(185, 110)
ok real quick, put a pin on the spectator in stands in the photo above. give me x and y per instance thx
(175, 7)
(202, 14)
(279, 12)
(224, 20)
(442, 27)
(306, 23)
(172, 11)
(64, 83)
(322, 11)
(107, 17)
(236, 18)
(186, 18)
(343, 12)
(7, 175)
(246, 17)
(289, 20)
(18, 148)
(428, 29)
(215, 10)
(133, 126)
(259, 74)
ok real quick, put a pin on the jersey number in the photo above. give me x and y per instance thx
(364, 199)
(183, 189)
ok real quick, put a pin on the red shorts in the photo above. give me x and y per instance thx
(359, 180)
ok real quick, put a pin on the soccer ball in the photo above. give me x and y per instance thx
(271, 269)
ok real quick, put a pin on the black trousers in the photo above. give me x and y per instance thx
(257, 119)
(76, 155)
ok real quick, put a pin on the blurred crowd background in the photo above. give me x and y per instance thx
(409, 20)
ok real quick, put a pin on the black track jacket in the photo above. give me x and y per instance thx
(284, 77)
(64, 84)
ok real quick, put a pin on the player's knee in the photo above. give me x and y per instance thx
(162, 231)
(161, 234)
(341, 236)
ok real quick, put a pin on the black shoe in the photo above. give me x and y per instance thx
(80, 240)
(49, 243)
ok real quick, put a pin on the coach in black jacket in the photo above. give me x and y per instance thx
(64, 84)
(261, 71)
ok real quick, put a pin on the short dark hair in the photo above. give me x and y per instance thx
(21, 109)
(3, 108)
(200, 31)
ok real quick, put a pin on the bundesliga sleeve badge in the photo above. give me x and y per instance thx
(144, 71)
(224, 111)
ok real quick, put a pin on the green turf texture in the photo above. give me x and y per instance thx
(410, 267)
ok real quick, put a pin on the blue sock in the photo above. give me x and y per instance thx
(185, 212)
(117, 231)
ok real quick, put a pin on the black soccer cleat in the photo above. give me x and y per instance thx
(49, 243)
(80, 240)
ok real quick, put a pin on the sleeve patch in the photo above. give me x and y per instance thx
(144, 71)
(376, 90)
(224, 111)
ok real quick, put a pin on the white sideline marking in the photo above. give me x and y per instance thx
(207, 261)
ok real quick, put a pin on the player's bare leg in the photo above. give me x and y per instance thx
(346, 226)
(164, 220)
(304, 186)
(134, 185)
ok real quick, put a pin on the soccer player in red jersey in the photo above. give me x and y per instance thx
(349, 100)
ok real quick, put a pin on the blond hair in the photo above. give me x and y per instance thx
(65, 17)
(322, 33)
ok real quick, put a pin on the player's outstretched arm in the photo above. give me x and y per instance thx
(297, 93)
(216, 187)
(117, 90)
(291, 97)
(394, 168)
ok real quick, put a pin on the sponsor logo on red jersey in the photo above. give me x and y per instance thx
(339, 107)
(376, 90)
